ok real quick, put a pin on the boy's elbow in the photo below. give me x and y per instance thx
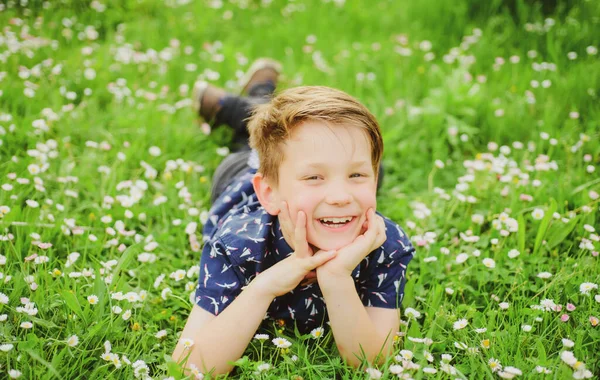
(353, 361)
(194, 365)
(375, 356)
(220, 370)
(357, 362)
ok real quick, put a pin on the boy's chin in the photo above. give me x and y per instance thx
(325, 244)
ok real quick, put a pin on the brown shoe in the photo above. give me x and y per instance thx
(206, 100)
(261, 78)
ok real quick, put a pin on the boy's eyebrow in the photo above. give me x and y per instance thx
(318, 165)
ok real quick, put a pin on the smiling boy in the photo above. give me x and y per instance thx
(295, 236)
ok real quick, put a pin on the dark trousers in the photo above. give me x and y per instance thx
(235, 112)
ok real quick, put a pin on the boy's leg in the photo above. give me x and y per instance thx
(235, 111)
(232, 166)
(218, 107)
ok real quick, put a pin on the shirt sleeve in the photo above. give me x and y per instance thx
(218, 283)
(386, 276)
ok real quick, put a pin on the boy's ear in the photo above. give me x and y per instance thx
(267, 194)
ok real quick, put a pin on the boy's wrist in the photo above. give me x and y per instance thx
(335, 285)
(260, 288)
(325, 275)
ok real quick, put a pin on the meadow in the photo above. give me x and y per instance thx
(491, 119)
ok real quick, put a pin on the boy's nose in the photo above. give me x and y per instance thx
(338, 196)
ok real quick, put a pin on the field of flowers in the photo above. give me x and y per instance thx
(491, 116)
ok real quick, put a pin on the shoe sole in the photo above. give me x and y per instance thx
(259, 64)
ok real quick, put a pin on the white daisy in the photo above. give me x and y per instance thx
(460, 324)
(317, 332)
(73, 341)
(281, 342)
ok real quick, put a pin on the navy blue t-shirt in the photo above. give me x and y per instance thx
(242, 240)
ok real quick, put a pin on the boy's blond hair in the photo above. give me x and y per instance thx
(272, 123)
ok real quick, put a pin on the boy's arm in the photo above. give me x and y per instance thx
(219, 340)
(369, 330)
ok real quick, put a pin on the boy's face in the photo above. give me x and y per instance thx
(327, 173)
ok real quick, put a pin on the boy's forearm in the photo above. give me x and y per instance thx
(353, 330)
(225, 338)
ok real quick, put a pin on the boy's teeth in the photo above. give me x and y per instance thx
(337, 220)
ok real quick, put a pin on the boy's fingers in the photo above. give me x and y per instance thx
(365, 242)
(372, 224)
(376, 231)
(321, 258)
(300, 235)
(364, 227)
(381, 235)
(372, 217)
(285, 221)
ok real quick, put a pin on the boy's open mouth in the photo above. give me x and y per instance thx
(332, 222)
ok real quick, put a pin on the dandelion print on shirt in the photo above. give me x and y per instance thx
(242, 240)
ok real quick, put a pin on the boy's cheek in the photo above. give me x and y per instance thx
(369, 200)
(300, 203)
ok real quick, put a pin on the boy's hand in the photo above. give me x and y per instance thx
(351, 255)
(284, 276)
(288, 229)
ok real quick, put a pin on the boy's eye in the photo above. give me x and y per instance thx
(356, 175)
(312, 178)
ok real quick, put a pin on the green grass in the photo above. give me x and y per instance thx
(430, 106)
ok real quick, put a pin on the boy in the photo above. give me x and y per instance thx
(294, 236)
